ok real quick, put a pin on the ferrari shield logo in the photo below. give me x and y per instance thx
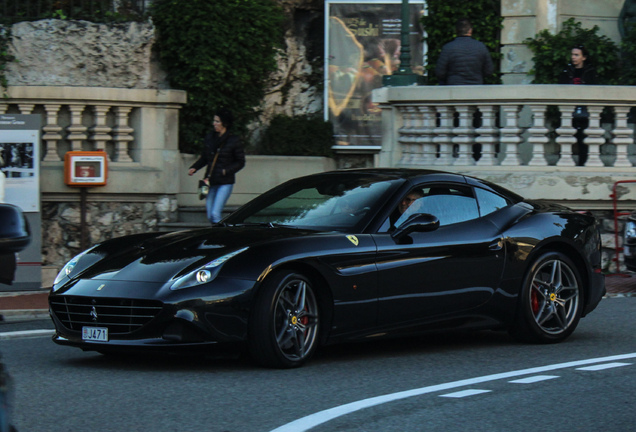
(353, 239)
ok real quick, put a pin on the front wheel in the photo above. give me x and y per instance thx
(285, 321)
(550, 302)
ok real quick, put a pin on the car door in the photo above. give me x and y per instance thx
(445, 272)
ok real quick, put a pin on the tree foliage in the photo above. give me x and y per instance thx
(439, 26)
(221, 53)
(5, 57)
(552, 53)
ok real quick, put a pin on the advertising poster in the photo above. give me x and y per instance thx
(20, 164)
(363, 44)
(20, 151)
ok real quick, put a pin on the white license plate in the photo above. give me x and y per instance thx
(95, 334)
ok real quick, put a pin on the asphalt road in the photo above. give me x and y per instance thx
(452, 382)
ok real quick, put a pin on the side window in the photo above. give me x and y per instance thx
(408, 199)
(450, 203)
(489, 202)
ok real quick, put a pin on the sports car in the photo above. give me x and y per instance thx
(336, 257)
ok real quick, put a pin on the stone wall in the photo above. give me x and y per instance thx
(81, 53)
(61, 227)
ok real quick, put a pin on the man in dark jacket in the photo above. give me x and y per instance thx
(464, 61)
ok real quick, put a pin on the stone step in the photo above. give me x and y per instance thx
(192, 214)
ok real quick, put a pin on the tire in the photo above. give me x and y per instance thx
(285, 323)
(550, 302)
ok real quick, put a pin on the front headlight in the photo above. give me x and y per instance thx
(203, 274)
(66, 271)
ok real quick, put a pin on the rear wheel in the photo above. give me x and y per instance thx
(285, 322)
(551, 300)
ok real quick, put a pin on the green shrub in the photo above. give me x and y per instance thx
(440, 29)
(552, 53)
(628, 57)
(305, 135)
(221, 53)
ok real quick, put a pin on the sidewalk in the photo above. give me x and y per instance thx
(19, 306)
(24, 305)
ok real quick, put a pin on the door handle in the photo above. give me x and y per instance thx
(496, 245)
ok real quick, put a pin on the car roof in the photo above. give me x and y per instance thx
(397, 173)
(414, 175)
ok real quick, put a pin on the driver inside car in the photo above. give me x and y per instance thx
(406, 202)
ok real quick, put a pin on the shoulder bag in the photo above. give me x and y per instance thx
(204, 184)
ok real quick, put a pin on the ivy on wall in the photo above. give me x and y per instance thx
(221, 53)
(5, 57)
(439, 26)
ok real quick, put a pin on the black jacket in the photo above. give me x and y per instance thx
(230, 161)
(464, 61)
(587, 75)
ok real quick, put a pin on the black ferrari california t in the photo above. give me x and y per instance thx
(336, 257)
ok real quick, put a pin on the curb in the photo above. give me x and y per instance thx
(25, 334)
(18, 315)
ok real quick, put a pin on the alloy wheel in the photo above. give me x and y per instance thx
(296, 319)
(554, 296)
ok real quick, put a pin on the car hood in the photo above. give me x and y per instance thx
(165, 256)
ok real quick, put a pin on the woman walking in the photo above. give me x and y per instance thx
(223, 156)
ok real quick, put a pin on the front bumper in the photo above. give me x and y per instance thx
(196, 319)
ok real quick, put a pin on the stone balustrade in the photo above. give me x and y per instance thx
(519, 136)
(138, 129)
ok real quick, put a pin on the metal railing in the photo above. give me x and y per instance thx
(13, 11)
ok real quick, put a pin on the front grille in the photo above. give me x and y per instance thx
(120, 316)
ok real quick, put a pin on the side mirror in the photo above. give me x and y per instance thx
(417, 222)
(15, 234)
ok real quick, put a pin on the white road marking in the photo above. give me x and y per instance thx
(313, 420)
(464, 393)
(603, 366)
(25, 334)
(533, 379)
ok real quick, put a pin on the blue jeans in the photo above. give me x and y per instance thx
(217, 197)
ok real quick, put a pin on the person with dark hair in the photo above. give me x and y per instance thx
(223, 156)
(464, 61)
(578, 72)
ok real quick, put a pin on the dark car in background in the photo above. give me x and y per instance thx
(629, 243)
(331, 258)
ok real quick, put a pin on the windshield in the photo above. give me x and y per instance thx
(321, 202)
